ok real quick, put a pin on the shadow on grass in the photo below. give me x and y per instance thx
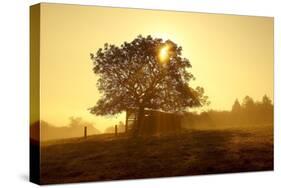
(191, 153)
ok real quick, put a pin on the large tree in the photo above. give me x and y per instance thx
(147, 73)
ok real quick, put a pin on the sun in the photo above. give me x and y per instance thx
(164, 53)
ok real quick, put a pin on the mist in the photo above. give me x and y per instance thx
(75, 128)
(246, 115)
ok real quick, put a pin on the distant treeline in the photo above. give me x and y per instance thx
(249, 112)
(74, 129)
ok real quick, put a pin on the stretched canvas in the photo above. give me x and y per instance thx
(113, 94)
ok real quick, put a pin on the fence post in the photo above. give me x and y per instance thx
(126, 124)
(85, 132)
(116, 131)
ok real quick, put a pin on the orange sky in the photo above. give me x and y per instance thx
(232, 56)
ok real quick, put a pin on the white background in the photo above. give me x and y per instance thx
(14, 92)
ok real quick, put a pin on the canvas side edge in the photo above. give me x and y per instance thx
(34, 146)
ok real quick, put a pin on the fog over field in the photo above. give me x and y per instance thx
(131, 93)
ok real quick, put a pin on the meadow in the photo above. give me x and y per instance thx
(192, 152)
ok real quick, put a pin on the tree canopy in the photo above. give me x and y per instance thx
(146, 73)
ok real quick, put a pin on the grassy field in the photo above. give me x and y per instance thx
(105, 157)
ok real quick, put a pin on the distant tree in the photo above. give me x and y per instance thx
(248, 103)
(236, 107)
(75, 121)
(78, 122)
(147, 73)
(266, 108)
(266, 101)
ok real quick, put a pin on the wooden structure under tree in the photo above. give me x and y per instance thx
(155, 122)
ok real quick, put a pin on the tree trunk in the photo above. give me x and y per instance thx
(139, 123)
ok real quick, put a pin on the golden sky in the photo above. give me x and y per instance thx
(231, 56)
